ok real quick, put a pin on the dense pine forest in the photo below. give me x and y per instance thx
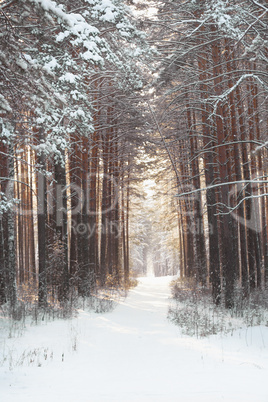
(100, 97)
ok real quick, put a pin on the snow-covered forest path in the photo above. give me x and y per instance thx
(133, 354)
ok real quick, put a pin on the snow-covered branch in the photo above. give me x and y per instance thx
(231, 183)
(220, 98)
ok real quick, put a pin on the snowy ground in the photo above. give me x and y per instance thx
(133, 354)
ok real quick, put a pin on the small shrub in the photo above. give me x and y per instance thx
(132, 283)
(193, 310)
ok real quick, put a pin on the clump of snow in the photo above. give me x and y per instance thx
(51, 65)
(68, 77)
(75, 22)
(106, 9)
(21, 63)
(30, 60)
(224, 15)
(4, 104)
(78, 113)
(62, 35)
(90, 56)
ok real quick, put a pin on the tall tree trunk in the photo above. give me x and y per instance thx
(209, 163)
(4, 246)
(201, 257)
(248, 197)
(42, 230)
(76, 199)
(227, 241)
(253, 122)
(104, 211)
(11, 235)
(85, 273)
(61, 228)
(238, 171)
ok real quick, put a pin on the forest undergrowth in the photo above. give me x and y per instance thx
(193, 310)
(28, 312)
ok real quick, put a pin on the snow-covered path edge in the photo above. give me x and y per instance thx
(133, 354)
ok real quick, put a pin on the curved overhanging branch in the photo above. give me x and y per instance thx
(164, 142)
